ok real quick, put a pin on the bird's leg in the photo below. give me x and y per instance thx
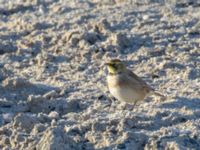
(105, 97)
(111, 100)
(134, 104)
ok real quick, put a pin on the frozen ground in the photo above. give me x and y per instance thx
(53, 94)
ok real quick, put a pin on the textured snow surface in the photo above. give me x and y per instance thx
(53, 94)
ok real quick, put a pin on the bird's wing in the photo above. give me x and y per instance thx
(147, 88)
(139, 82)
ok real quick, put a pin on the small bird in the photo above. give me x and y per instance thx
(126, 86)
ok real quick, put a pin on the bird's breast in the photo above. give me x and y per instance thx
(121, 91)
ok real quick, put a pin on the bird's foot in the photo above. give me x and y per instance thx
(125, 106)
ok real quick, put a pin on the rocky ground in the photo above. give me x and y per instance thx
(53, 94)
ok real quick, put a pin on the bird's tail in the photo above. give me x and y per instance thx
(156, 93)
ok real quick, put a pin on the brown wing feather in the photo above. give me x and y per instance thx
(144, 86)
(135, 80)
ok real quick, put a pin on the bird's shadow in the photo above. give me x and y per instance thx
(173, 113)
(167, 115)
(180, 102)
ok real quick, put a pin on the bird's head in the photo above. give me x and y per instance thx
(115, 66)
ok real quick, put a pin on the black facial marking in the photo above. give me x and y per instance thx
(114, 65)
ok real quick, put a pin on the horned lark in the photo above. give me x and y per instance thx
(126, 86)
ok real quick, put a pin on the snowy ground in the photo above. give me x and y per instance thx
(53, 93)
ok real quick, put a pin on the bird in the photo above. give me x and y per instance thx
(125, 85)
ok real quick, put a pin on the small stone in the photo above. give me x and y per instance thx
(53, 115)
(145, 17)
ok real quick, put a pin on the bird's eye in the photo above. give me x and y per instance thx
(114, 65)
